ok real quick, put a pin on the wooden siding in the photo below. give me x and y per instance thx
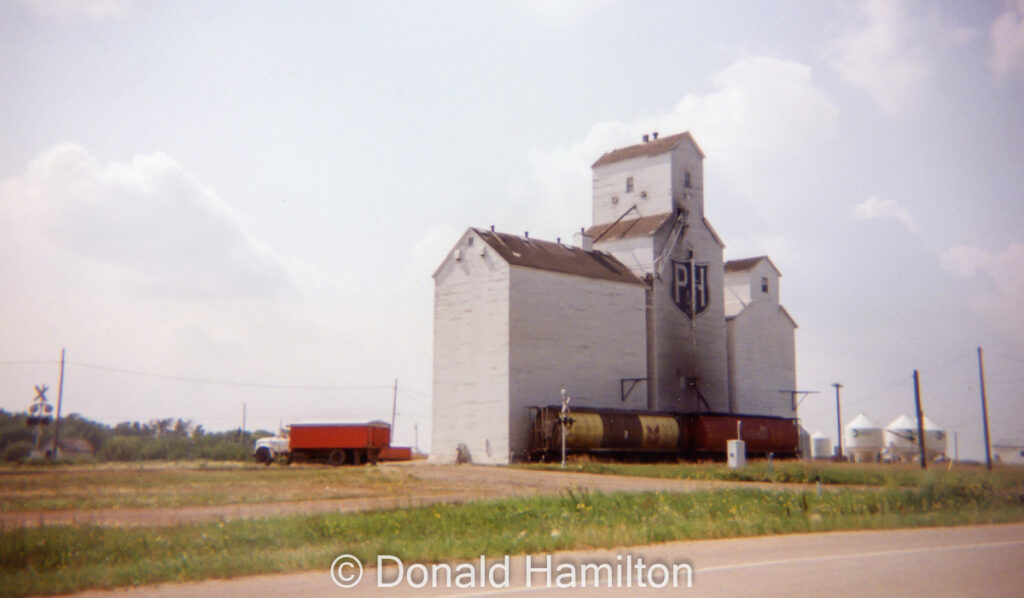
(651, 175)
(471, 355)
(690, 349)
(678, 349)
(762, 345)
(580, 334)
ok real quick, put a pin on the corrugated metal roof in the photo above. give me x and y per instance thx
(627, 229)
(744, 264)
(556, 257)
(650, 148)
(748, 263)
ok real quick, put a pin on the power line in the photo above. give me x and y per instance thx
(901, 381)
(413, 399)
(222, 382)
(889, 387)
(1015, 359)
(414, 391)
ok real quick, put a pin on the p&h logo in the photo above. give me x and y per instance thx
(690, 287)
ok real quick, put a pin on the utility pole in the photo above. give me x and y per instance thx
(984, 410)
(416, 435)
(60, 396)
(394, 405)
(839, 424)
(920, 421)
(243, 417)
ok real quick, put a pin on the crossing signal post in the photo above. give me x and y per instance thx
(565, 420)
(39, 414)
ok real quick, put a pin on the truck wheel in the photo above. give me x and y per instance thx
(358, 457)
(374, 455)
(263, 455)
(336, 458)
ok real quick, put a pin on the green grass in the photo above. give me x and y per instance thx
(53, 560)
(148, 484)
(804, 472)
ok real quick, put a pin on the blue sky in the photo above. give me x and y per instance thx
(258, 193)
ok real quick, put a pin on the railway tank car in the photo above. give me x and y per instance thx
(623, 433)
(605, 431)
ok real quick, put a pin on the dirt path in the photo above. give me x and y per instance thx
(436, 484)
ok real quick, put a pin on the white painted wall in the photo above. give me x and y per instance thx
(1010, 454)
(637, 253)
(509, 338)
(661, 177)
(651, 175)
(745, 286)
(684, 349)
(762, 346)
(471, 354)
(737, 292)
(576, 333)
(686, 157)
(679, 348)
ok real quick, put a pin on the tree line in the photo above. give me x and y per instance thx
(159, 439)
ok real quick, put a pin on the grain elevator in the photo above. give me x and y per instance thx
(640, 313)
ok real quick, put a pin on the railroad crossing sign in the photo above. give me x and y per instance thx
(40, 409)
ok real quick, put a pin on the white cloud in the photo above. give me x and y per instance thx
(137, 266)
(890, 55)
(92, 9)
(874, 208)
(763, 119)
(1002, 300)
(779, 247)
(147, 225)
(1007, 42)
(428, 252)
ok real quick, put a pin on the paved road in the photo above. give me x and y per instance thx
(983, 561)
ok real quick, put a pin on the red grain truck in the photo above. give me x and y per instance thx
(336, 443)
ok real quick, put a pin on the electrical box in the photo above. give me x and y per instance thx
(737, 450)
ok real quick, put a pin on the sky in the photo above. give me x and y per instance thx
(228, 209)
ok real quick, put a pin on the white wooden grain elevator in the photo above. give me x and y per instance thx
(640, 312)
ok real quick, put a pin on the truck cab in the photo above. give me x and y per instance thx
(268, 449)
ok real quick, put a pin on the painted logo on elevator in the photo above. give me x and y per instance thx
(690, 287)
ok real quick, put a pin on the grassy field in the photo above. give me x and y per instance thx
(65, 559)
(188, 484)
(804, 472)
